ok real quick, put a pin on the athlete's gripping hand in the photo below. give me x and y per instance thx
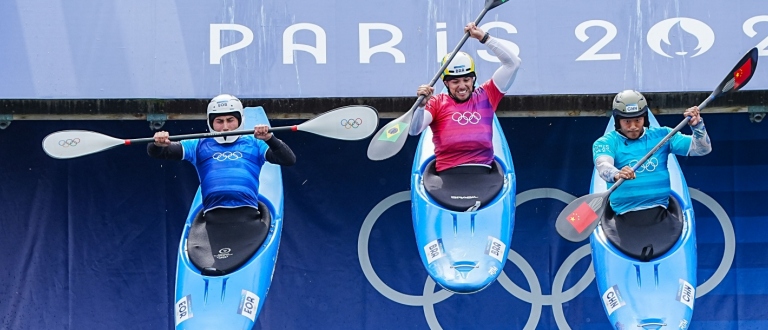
(693, 112)
(261, 132)
(474, 31)
(161, 139)
(427, 91)
(626, 173)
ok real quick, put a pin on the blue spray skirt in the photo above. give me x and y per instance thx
(234, 300)
(660, 293)
(463, 252)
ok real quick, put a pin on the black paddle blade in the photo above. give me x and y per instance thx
(579, 218)
(740, 75)
(490, 4)
(390, 139)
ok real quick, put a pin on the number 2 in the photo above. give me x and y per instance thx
(591, 53)
(749, 30)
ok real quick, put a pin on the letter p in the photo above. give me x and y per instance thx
(216, 51)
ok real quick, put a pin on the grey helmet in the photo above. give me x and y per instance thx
(629, 104)
(221, 105)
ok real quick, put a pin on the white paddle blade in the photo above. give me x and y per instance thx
(75, 143)
(355, 122)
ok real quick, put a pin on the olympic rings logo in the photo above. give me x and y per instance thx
(222, 156)
(535, 296)
(466, 117)
(351, 123)
(69, 142)
(650, 165)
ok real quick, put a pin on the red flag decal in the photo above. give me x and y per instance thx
(744, 72)
(582, 217)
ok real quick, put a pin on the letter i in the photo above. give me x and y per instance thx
(442, 41)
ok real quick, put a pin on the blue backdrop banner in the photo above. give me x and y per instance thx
(346, 48)
(91, 242)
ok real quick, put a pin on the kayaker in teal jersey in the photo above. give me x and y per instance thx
(645, 193)
(228, 167)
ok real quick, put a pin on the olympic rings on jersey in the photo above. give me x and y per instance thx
(222, 156)
(650, 165)
(351, 123)
(466, 117)
(69, 142)
(535, 296)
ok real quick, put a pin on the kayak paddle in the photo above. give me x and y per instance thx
(354, 122)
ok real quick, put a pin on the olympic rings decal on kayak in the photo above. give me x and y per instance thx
(466, 117)
(535, 296)
(222, 156)
(351, 123)
(69, 142)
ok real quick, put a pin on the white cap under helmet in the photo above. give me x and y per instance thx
(221, 105)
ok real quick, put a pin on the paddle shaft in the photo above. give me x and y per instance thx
(448, 60)
(210, 134)
(661, 143)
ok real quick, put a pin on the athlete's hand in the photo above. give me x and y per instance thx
(261, 132)
(474, 31)
(427, 91)
(693, 112)
(626, 173)
(161, 139)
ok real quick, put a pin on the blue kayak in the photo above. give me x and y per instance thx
(463, 223)
(224, 270)
(658, 293)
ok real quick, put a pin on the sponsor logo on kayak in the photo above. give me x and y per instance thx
(249, 303)
(464, 197)
(183, 309)
(612, 299)
(223, 253)
(495, 248)
(493, 270)
(434, 250)
(683, 324)
(685, 293)
(222, 156)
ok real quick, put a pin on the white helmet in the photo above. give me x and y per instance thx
(225, 104)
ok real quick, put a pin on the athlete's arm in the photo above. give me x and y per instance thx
(605, 168)
(279, 153)
(510, 63)
(164, 148)
(421, 118)
(700, 143)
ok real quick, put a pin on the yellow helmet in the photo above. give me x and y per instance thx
(462, 65)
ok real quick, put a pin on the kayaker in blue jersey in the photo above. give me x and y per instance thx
(228, 167)
(645, 192)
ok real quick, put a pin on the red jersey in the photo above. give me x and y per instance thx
(463, 132)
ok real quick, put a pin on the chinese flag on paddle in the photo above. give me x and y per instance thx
(582, 217)
(582, 214)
